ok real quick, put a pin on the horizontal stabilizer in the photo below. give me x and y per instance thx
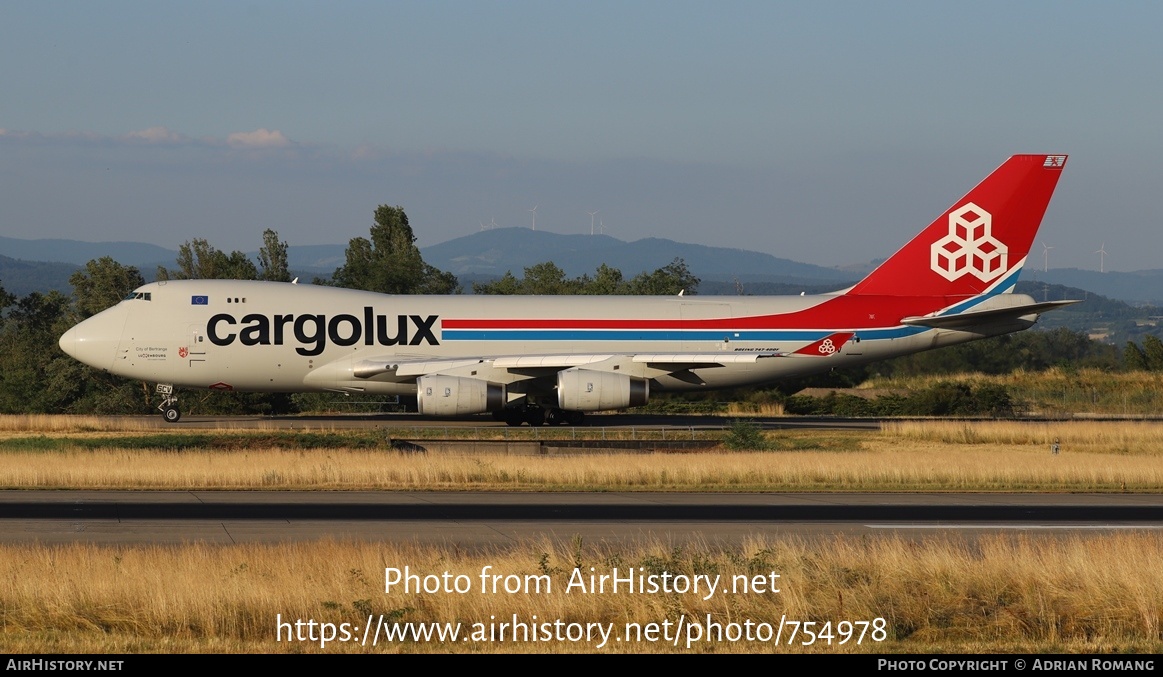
(981, 317)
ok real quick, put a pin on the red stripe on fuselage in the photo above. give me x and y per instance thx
(838, 312)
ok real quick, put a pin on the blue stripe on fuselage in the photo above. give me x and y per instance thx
(808, 335)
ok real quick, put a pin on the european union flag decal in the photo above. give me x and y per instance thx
(199, 300)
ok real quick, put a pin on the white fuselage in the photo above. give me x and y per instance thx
(262, 336)
(950, 283)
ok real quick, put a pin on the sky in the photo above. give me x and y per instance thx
(827, 133)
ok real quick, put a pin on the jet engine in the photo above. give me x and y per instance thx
(587, 390)
(457, 396)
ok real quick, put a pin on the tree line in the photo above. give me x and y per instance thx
(36, 377)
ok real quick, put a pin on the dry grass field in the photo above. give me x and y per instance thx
(905, 456)
(885, 466)
(942, 595)
(1094, 593)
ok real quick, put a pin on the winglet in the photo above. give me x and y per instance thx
(980, 242)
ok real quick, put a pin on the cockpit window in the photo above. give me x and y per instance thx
(139, 296)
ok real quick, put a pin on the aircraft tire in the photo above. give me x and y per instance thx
(172, 414)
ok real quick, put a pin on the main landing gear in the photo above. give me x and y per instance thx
(563, 417)
(536, 415)
(169, 405)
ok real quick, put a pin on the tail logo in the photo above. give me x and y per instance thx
(969, 248)
(827, 347)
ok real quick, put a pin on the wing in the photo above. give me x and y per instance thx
(572, 381)
(526, 366)
(402, 369)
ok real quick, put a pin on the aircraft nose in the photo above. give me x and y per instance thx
(95, 340)
(68, 343)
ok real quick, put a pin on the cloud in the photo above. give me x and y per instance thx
(363, 151)
(259, 138)
(156, 135)
(159, 137)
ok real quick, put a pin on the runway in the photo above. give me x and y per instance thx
(592, 422)
(490, 520)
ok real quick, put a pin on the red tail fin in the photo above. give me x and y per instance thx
(978, 243)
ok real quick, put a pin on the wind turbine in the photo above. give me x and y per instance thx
(592, 220)
(1045, 257)
(602, 226)
(1101, 258)
(534, 210)
(492, 223)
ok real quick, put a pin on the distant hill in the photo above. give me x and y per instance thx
(79, 253)
(495, 252)
(490, 254)
(1139, 287)
(41, 265)
(1106, 319)
(743, 287)
(309, 259)
(24, 277)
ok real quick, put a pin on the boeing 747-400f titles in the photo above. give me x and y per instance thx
(538, 358)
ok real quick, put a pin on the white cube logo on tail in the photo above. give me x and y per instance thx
(970, 247)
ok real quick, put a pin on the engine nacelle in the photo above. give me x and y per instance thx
(456, 396)
(587, 390)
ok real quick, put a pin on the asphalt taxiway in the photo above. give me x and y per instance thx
(489, 520)
(593, 422)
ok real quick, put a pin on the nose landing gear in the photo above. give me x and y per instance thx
(169, 405)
